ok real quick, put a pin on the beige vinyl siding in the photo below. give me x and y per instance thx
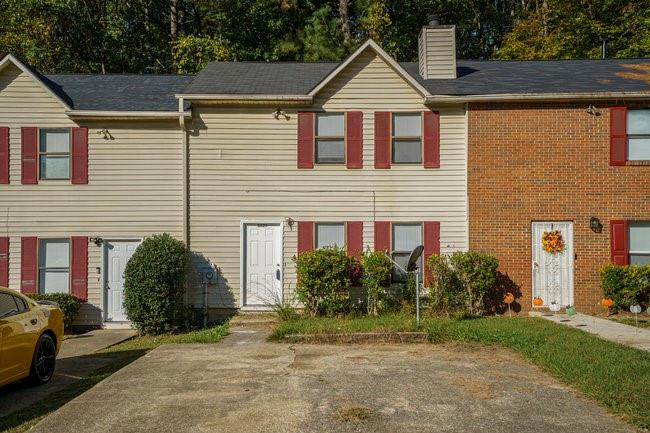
(243, 166)
(437, 52)
(134, 190)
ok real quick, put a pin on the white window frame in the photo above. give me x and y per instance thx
(328, 223)
(406, 253)
(394, 138)
(630, 252)
(329, 137)
(68, 153)
(39, 254)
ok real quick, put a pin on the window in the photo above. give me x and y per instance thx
(330, 138)
(407, 138)
(53, 266)
(638, 135)
(54, 154)
(330, 235)
(8, 305)
(405, 238)
(639, 243)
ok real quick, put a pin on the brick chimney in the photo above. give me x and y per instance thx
(437, 50)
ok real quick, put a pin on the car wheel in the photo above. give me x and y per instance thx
(44, 361)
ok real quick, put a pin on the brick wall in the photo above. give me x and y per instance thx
(548, 162)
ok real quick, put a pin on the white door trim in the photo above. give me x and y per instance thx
(242, 258)
(104, 302)
(571, 257)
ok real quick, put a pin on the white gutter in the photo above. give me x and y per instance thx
(99, 114)
(433, 99)
(236, 97)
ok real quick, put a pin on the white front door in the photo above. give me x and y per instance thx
(262, 258)
(117, 255)
(553, 272)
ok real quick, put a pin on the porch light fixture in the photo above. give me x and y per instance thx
(595, 225)
(96, 240)
(279, 112)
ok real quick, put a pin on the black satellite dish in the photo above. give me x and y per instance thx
(413, 258)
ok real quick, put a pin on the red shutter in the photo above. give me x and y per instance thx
(431, 237)
(382, 139)
(382, 236)
(354, 139)
(431, 139)
(618, 233)
(617, 135)
(4, 261)
(354, 237)
(29, 150)
(79, 156)
(305, 236)
(79, 267)
(305, 140)
(4, 156)
(28, 264)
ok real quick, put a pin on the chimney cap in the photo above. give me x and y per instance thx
(433, 19)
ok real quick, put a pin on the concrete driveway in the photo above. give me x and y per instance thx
(247, 385)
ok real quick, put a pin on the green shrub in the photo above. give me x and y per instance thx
(376, 279)
(324, 281)
(462, 281)
(68, 304)
(626, 285)
(154, 285)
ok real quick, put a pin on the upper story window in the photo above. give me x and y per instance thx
(330, 138)
(53, 266)
(330, 235)
(54, 154)
(407, 138)
(639, 243)
(638, 135)
(405, 238)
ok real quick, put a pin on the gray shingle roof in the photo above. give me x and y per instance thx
(474, 77)
(119, 92)
(259, 78)
(545, 76)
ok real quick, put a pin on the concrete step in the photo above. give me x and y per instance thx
(254, 319)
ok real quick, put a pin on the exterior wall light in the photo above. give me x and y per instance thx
(97, 240)
(595, 225)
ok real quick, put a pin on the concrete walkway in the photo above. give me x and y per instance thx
(72, 364)
(245, 384)
(638, 338)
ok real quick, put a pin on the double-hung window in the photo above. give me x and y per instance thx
(54, 154)
(330, 138)
(330, 235)
(405, 238)
(639, 243)
(407, 138)
(638, 135)
(53, 266)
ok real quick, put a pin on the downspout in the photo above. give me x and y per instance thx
(186, 231)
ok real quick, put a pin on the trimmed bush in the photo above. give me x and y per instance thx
(324, 281)
(68, 304)
(626, 285)
(376, 279)
(154, 285)
(462, 281)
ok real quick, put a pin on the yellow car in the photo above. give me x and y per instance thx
(30, 338)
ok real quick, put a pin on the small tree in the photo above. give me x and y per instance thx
(324, 281)
(154, 285)
(376, 278)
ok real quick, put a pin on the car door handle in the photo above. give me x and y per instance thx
(33, 321)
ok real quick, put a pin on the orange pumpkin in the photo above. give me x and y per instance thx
(607, 302)
(508, 298)
(538, 302)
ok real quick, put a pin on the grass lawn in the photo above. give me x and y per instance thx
(616, 376)
(119, 355)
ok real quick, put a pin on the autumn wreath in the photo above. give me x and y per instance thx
(553, 242)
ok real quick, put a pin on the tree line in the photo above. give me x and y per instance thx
(146, 36)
